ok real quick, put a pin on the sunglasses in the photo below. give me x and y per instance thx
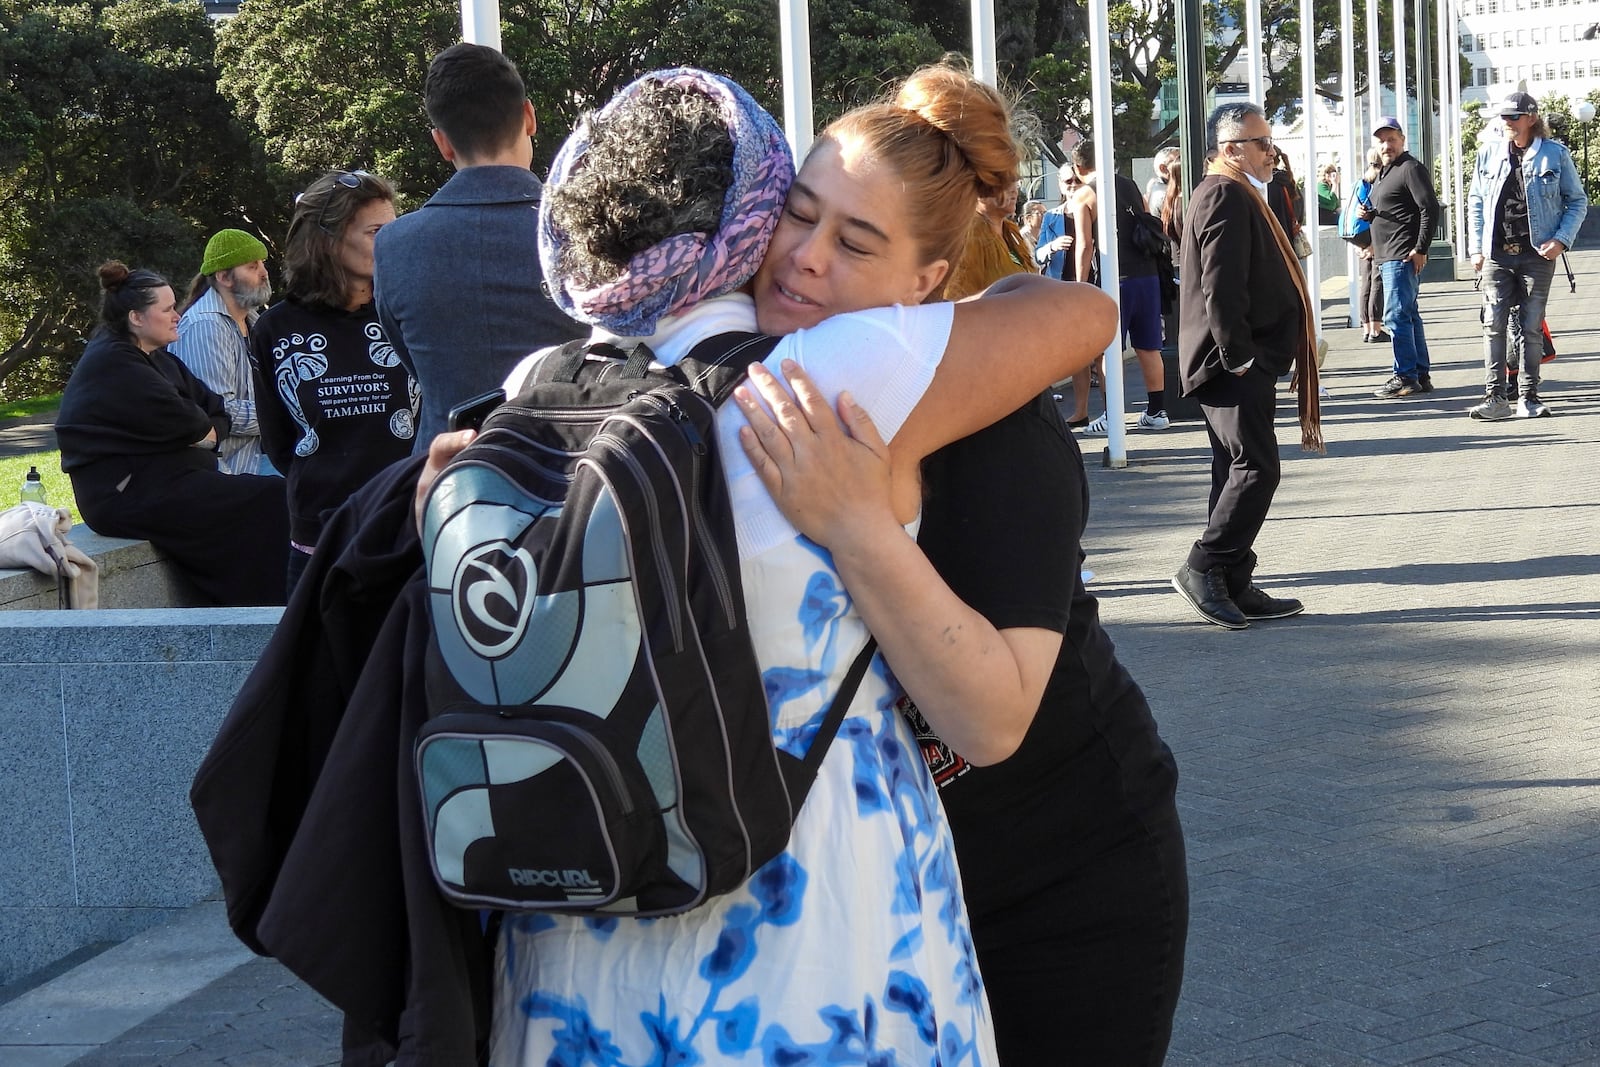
(350, 179)
(1264, 142)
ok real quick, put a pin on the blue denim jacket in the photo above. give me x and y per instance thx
(1556, 200)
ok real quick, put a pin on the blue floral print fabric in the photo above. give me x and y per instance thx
(852, 947)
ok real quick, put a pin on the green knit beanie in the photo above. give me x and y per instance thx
(231, 248)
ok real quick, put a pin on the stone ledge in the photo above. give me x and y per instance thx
(133, 574)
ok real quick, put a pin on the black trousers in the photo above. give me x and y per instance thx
(1245, 470)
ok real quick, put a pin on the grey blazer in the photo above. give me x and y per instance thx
(459, 289)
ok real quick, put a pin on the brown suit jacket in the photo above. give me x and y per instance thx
(1237, 301)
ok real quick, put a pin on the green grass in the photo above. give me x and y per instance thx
(16, 409)
(57, 488)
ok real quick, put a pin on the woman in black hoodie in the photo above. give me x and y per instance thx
(139, 436)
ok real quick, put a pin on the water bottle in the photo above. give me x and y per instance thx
(33, 488)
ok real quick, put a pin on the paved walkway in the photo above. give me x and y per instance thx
(31, 433)
(1391, 802)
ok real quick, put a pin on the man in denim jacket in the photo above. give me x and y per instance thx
(1524, 210)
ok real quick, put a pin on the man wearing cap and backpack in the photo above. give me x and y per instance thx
(1403, 209)
(213, 338)
(1523, 211)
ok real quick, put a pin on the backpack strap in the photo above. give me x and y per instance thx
(798, 774)
(714, 366)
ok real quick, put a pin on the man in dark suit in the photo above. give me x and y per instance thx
(1243, 323)
(458, 285)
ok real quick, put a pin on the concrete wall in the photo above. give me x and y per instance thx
(104, 717)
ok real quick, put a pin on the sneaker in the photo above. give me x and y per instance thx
(1493, 409)
(1529, 407)
(1099, 427)
(1207, 593)
(1424, 384)
(1395, 387)
(1257, 604)
(1158, 421)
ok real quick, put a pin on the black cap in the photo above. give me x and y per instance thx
(1518, 104)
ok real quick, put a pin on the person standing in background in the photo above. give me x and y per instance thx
(1523, 211)
(1403, 210)
(1245, 321)
(459, 289)
(214, 338)
(337, 404)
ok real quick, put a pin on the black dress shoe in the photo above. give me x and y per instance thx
(1256, 604)
(1207, 594)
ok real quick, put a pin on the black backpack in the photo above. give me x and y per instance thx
(599, 738)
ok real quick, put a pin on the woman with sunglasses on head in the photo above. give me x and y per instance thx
(335, 403)
(852, 945)
(139, 436)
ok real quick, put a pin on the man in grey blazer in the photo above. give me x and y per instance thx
(458, 285)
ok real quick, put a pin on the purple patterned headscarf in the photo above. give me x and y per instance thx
(678, 273)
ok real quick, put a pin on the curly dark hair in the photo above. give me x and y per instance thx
(657, 166)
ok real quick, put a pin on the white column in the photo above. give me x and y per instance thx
(1446, 35)
(1462, 151)
(983, 61)
(1354, 162)
(794, 20)
(1308, 94)
(480, 22)
(1257, 66)
(1400, 65)
(1106, 219)
(1374, 83)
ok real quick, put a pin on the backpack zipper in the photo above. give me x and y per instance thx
(620, 448)
(714, 562)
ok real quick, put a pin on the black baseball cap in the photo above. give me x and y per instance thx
(1518, 104)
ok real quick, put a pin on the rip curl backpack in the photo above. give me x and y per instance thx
(598, 736)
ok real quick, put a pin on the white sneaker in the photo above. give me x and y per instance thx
(1493, 409)
(1158, 421)
(1098, 428)
(1529, 407)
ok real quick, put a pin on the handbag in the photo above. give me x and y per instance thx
(1300, 244)
(1352, 227)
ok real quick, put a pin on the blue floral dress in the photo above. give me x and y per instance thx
(852, 947)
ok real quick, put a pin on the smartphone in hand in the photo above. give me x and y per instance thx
(469, 414)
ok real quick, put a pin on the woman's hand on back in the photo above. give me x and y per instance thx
(829, 474)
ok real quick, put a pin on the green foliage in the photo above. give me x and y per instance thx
(117, 145)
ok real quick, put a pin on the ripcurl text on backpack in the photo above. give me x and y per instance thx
(599, 738)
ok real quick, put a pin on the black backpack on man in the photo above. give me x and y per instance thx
(599, 738)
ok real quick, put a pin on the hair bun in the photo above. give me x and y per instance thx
(113, 273)
(976, 118)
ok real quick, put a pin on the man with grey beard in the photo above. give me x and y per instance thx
(213, 339)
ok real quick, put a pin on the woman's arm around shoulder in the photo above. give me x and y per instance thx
(1020, 335)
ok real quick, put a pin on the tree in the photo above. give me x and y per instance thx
(116, 145)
